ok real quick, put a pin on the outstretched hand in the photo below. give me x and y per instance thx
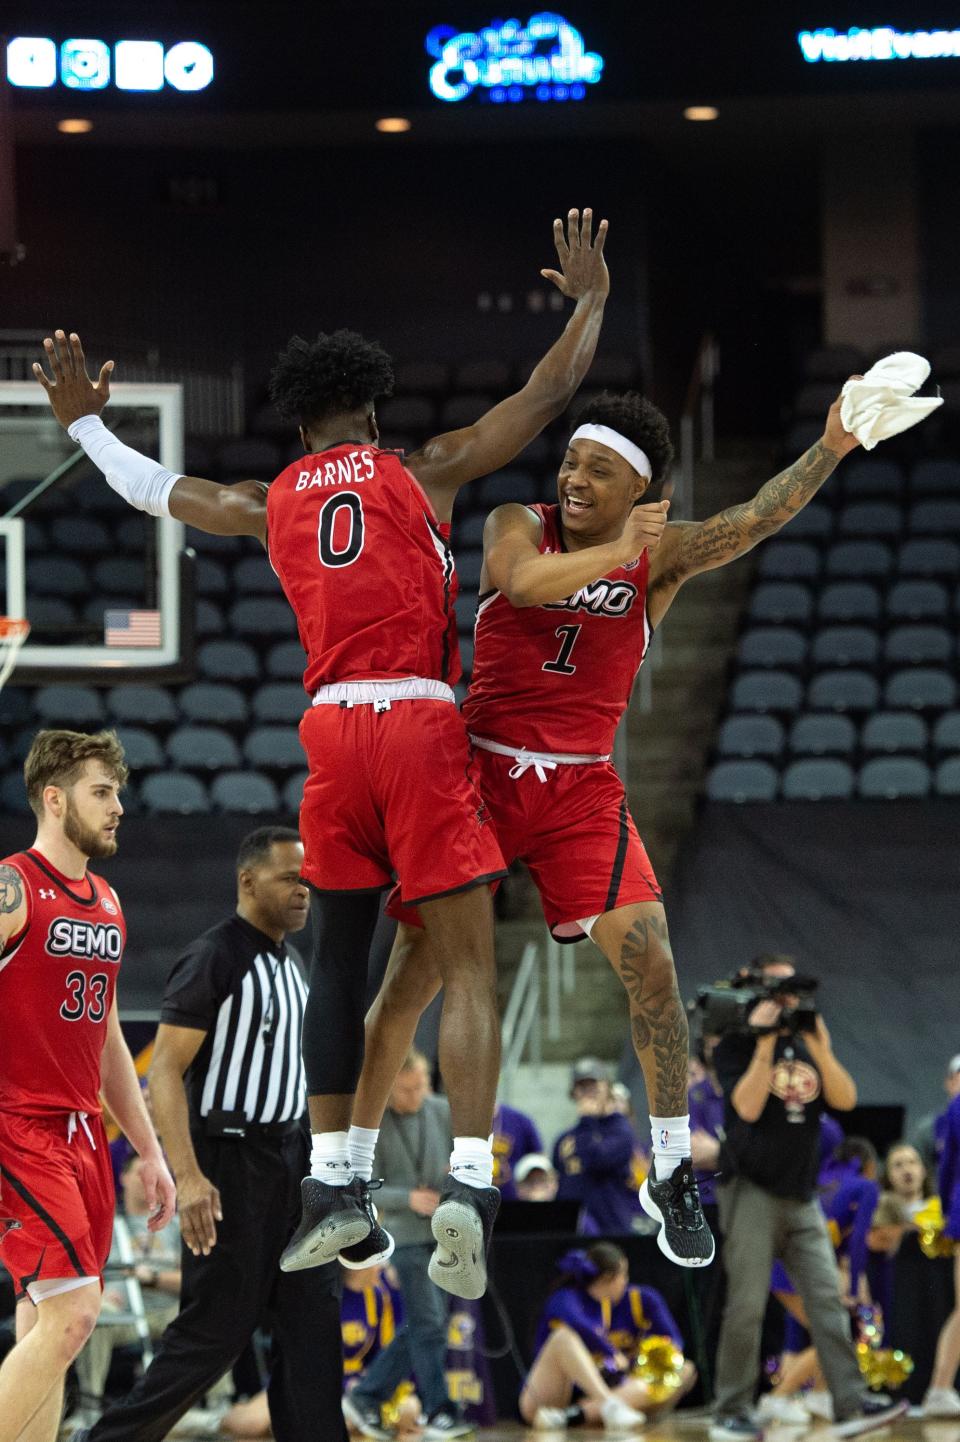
(582, 266)
(71, 392)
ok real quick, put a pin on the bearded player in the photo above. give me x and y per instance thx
(569, 597)
(62, 936)
(356, 536)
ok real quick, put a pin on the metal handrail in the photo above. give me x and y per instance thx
(697, 423)
(521, 1018)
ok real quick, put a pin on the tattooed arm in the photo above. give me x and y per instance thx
(690, 547)
(13, 903)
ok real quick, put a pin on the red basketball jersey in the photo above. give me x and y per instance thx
(558, 677)
(365, 566)
(58, 977)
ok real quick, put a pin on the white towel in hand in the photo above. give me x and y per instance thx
(882, 403)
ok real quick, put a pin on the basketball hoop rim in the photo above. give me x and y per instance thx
(14, 628)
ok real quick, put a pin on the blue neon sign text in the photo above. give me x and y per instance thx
(35, 62)
(880, 43)
(546, 59)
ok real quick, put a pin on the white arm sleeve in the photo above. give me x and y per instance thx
(140, 481)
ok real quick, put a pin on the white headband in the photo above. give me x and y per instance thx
(632, 454)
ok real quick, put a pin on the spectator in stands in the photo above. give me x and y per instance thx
(514, 1134)
(588, 1341)
(596, 1159)
(412, 1155)
(705, 1098)
(927, 1136)
(536, 1178)
(906, 1177)
(942, 1399)
(776, 1082)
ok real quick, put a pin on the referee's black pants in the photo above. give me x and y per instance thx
(226, 1295)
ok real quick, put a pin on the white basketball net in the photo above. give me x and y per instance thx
(12, 636)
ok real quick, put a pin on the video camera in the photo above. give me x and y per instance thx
(726, 1006)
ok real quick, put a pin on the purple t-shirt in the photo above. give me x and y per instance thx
(706, 1115)
(949, 1169)
(514, 1136)
(595, 1161)
(605, 1328)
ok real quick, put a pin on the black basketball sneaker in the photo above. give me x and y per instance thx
(332, 1220)
(377, 1245)
(684, 1235)
(462, 1226)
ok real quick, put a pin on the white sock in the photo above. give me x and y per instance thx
(361, 1145)
(671, 1144)
(471, 1161)
(329, 1159)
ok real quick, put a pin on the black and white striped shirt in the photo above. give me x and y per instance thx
(247, 993)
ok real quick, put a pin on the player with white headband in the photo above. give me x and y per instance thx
(569, 596)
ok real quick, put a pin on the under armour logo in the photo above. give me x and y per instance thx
(47, 895)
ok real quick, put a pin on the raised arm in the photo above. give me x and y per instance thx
(77, 402)
(448, 461)
(690, 547)
(513, 564)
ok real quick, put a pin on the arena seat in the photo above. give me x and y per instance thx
(16, 707)
(95, 609)
(766, 691)
(934, 518)
(141, 705)
(215, 702)
(845, 646)
(293, 791)
(286, 661)
(818, 779)
(120, 575)
(142, 749)
(274, 748)
(919, 646)
(507, 485)
(859, 560)
(49, 612)
(208, 618)
(174, 792)
(59, 576)
(205, 543)
(870, 476)
(244, 792)
(129, 533)
(468, 529)
(468, 565)
(931, 557)
(13, 796)
(35, 538)
(894, 731)
(822, 735)
(253, 575)
(261, 616)
(947, 777)
(815, 522)
(946, 732)
(466, 609)
(891, 778)
(742, 781)
(772, 646)
(73, 706)
(847, 690)
(917, 601)
(777, 602)
(744, 737)
(870, 518)
(846, 601)
(280, 701)
(210, 577)
(935, 478)
(80, 533)
(920, 689)
(789, 561)
(228, 661)
(202, 748)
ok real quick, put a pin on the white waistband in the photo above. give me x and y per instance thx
(382, 693)
(76, 1119)
(539, 761)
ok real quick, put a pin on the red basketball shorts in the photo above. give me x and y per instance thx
(394, 792)
(575, 834)
(57, 1200)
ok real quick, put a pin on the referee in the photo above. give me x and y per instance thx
(228, 1095)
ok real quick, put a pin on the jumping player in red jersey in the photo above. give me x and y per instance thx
(61, 1048)
(355, 535)
(569, 597)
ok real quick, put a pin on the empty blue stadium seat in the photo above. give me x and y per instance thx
(893, 731)
(814, 522)
(822, 735)
(859, 559)
(843, 691)
(210, 576)
(141, 705)
(917, 601)
(16, 706)
(228, 661)
(214, 702)
(281, 701)
(95, 610)
(789, 561)
(286, 661)
(891, 778)
(174, 792)
(766, 691)
(202, 748)
(130, 532)
(13, 795)
(846, 601)
(935, 518)
(120, 575)
(935, 478)
(262, 616)
(818, 779)
(466, 608)
(35, 538)
(468, 529)
(870, 518)
(947, 779)
(244, 792)
(79, 533)
(73, 706)
(509, 485)
(946, 732)
(208, 618)
(871, 477)
(254, 575)
(274, 748)
(469, 564)
(777, 601)
(919, 646)
(50, 612)
(845, 646)
(748, 736)
(141, 747)
(920, 689)
(293, 791)
(772, 646)
(930, 557)
(742, 781)
(206, 543)
(58, 576)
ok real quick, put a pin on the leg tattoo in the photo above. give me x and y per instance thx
(657, 1017)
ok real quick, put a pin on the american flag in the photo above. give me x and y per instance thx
(132, 628)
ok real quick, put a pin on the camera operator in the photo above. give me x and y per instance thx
(778, 1071)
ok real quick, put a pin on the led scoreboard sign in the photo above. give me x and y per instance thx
(35, 62)
(882, 42)
(506, 62)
